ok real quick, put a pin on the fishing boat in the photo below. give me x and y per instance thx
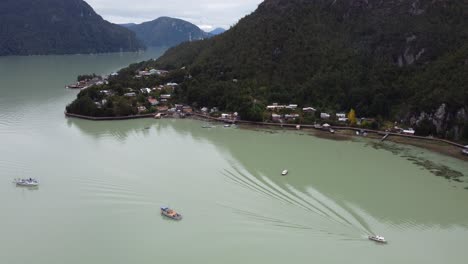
(284, 173)
(378, 239)
(166, 211)
(26, 182)
(227, 125)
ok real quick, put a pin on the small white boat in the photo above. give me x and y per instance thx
(26, 182)
(378, 239)
(465, 151)
(284, 173)
(227, 125)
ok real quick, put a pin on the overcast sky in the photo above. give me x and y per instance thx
(207, 14)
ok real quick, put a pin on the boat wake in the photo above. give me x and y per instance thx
(328, 213)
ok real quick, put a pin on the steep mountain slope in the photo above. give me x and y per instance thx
(396, 59)
(59, 27)
(166, 31)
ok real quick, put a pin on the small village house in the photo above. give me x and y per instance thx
(153, 101)
(324, 116)
(309, 110)
(132, 94)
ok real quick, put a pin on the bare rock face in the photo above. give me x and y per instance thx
(440, 118)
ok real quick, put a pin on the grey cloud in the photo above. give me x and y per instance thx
(204, 13)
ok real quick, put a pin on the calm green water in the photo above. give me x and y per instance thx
(102, 184)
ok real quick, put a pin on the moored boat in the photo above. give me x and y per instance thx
(26, 182)
(465, 151)
(166, 211)
(284, 173)
(378, 239)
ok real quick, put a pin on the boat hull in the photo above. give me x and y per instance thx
(176, 217)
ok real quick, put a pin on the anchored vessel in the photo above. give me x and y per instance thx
(26, 182)
(166, 211)
(284, 173)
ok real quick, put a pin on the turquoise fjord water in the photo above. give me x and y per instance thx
(103, 182)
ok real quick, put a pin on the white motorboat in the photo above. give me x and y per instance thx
(465, 151)
(284, 173)
(378, 239)
(26, 182)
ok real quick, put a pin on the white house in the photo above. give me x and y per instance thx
(408, 131)
(324, 116)
(165, 96)
(292, 106)
(226, 116)
(309, 110)
(130, 94)
(275, 117)
(145, 90)
(340, 115)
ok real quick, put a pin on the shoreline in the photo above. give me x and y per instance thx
(441, 146)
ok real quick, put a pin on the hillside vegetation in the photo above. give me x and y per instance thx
(393, 60)
(39, 27)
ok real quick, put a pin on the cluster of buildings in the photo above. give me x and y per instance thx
(145, 73)
(84, 84)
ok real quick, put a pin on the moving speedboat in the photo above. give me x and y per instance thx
(26, 182)
(284, 173)
(379, 239)
(166, 211)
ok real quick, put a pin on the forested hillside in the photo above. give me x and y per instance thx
(38, 27)
(395, 59)
(166, 31)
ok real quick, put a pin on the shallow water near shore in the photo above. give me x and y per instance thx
(102, 184)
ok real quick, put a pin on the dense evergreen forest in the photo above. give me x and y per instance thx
(166, 31)
(39, 27)
(395, 60)
(392, 59)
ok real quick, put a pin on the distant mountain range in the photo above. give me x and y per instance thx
(31, 27)
(166, 31)
(217, 31)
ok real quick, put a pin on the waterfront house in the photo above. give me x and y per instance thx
(187, 109)
(340, 115)
(141, 109)
(153, 101)
(324, 116)
(408, 131)
(291, 116)
(163, 108)
(165, 96)
(132, 94)
(292, 106)
(204, 109)
(226, 116)
(276, 117)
